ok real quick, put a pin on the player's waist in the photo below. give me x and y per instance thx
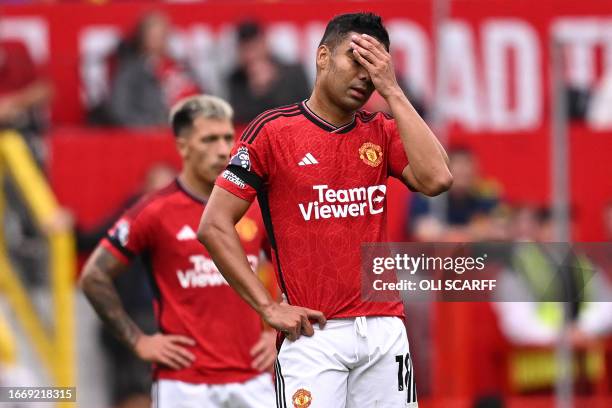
(339, 322)
(397, 311)
(207, 375)
(365, 309)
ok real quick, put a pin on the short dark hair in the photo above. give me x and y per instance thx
(248, 30)
(362, 23)
(184, 112)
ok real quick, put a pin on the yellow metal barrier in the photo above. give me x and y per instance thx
(56, 349)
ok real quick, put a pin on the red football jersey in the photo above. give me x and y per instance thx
(322, 194)
(192, 297)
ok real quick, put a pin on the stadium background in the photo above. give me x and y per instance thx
(483, 68)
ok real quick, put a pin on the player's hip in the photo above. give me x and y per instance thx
(353, 362)
(349, 340)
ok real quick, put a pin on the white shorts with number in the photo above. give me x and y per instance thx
(255, 393)
(352, 363)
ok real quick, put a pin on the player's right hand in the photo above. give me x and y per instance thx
(166, 349)
(293, 321)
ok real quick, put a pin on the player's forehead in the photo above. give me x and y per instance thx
(203, 126)
(343, 44)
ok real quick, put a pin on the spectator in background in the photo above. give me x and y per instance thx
(24, 95)
(537, 277)
(261, 81)
(467, 205)
(148, 81)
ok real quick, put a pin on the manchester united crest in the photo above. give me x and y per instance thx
(371, 154)
(301, 399)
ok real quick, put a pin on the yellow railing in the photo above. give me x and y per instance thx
(56, 348)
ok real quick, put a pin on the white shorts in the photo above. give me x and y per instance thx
(351, 363)
(255, 393)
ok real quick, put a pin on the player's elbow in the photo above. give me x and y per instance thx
(202, 233)
(208, 231)
(93, 273)
(438, 184)
(87, 279)
(82, 282)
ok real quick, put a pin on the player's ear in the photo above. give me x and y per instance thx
(323, 56)
(181, 146)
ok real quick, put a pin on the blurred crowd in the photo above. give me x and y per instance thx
(146, 80)
(474, 210)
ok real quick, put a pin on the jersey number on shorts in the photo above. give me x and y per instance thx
(405, 381)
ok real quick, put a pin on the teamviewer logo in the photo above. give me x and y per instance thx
(343, 203)
(376, 198)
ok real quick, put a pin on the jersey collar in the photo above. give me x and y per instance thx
(188, 193)
(322, 123)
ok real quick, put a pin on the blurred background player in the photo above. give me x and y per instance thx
(211, 349)
(317, 155)
(129, 376)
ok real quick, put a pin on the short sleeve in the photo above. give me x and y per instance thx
(128, 237)
(248, 167)
(397, 159)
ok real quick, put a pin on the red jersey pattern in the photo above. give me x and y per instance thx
(322, 194)
(192, 297)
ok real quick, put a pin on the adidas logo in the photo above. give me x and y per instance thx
(308, 159)
(186, 233)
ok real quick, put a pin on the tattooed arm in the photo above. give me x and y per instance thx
(97, 283)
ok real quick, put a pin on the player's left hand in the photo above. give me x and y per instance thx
(373, 56)
(264, 351)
